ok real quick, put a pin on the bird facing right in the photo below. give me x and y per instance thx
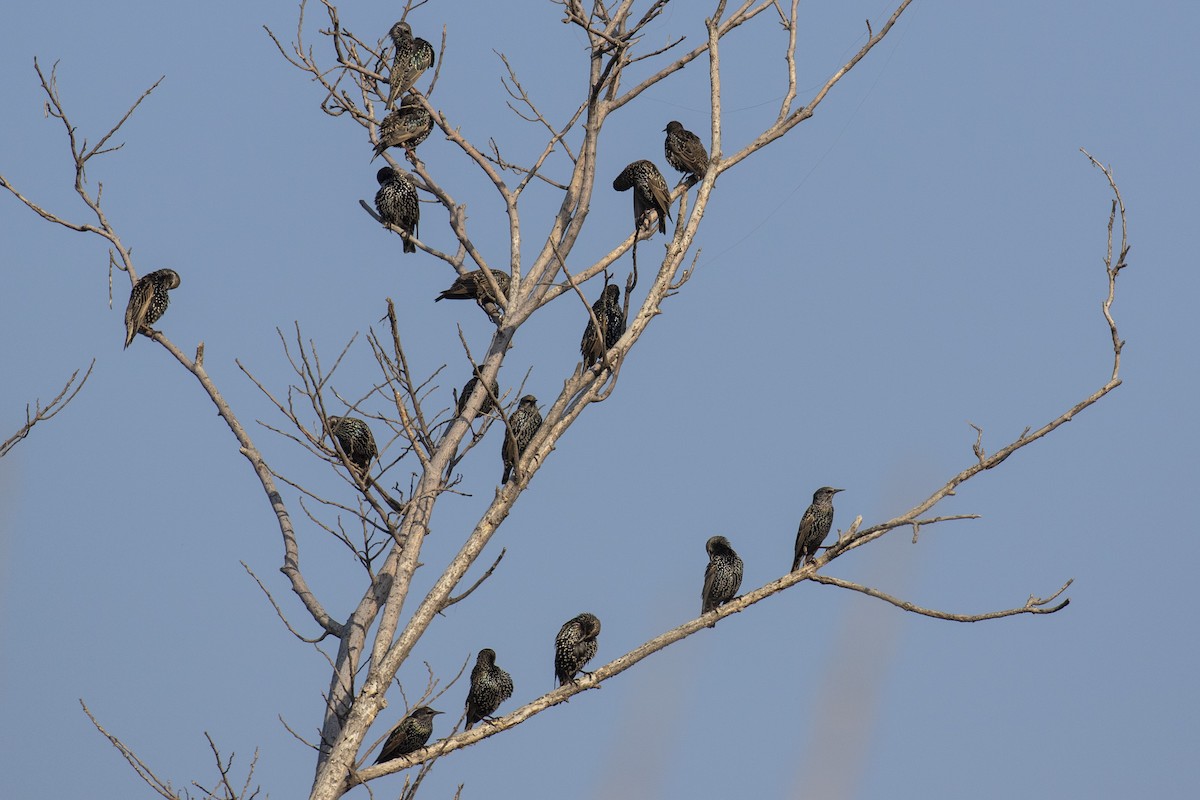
(148, 302)
(814, 526)
(685, 152)
(722, 576)
(409, 735)
(612, 321)
(574, 646)
(523, 425)
(490, 686)
(650, 193)
(397, 203)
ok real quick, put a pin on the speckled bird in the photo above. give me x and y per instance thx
(355, 439)
(148, 302)
(490, 686)
(612, 320)
(405, 127)
(413, 56)
(474, 286)
(814, 526)
(488, 402)
(722, 576)
(685, 151)
(574, 646)
(409, 735)
(523, 424)
(397, 203)
(650, 193)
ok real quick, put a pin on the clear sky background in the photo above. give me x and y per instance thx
(924, 253)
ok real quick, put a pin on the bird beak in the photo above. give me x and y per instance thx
(835, 491)
(438, 712)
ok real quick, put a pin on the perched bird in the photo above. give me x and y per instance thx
(722, 576)
(397, 204)
(405, 127)
(488, 402)
(574, 646)
(612, 321)
(650, 192)
(814, 526)
(685, 151)
(355, 439)
(413, 56)
(490, 686)
(409, 735)
(523, 424)
(474, 286)
(148, 302)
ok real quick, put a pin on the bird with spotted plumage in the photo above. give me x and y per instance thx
(685, 152)
(409, 735)
(490, 686)
(574, 646)
(523, 425)
(488, 403)
(474, 286)
(814, 526)
(397, 203)
(413, 56)
(406, 127)
(650, 193)
(612, 322)
(722, 576)
(148, 301)
(355, 438)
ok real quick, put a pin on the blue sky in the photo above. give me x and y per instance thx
(924, 253)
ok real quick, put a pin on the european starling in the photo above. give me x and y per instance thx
(490, 686)
(685, 151)
(413, 56)
(488, 402)
(814, 526)
(409, 735)
(148, 302)
(523, 424)
(473, 286)
(612, 319)
(405, 127)
(650, 192)
(574, 646)
(722, 576)
(397, 204)
(355, 439)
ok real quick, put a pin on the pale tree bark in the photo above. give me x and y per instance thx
(388, 524)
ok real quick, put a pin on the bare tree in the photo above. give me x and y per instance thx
(388, 522)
